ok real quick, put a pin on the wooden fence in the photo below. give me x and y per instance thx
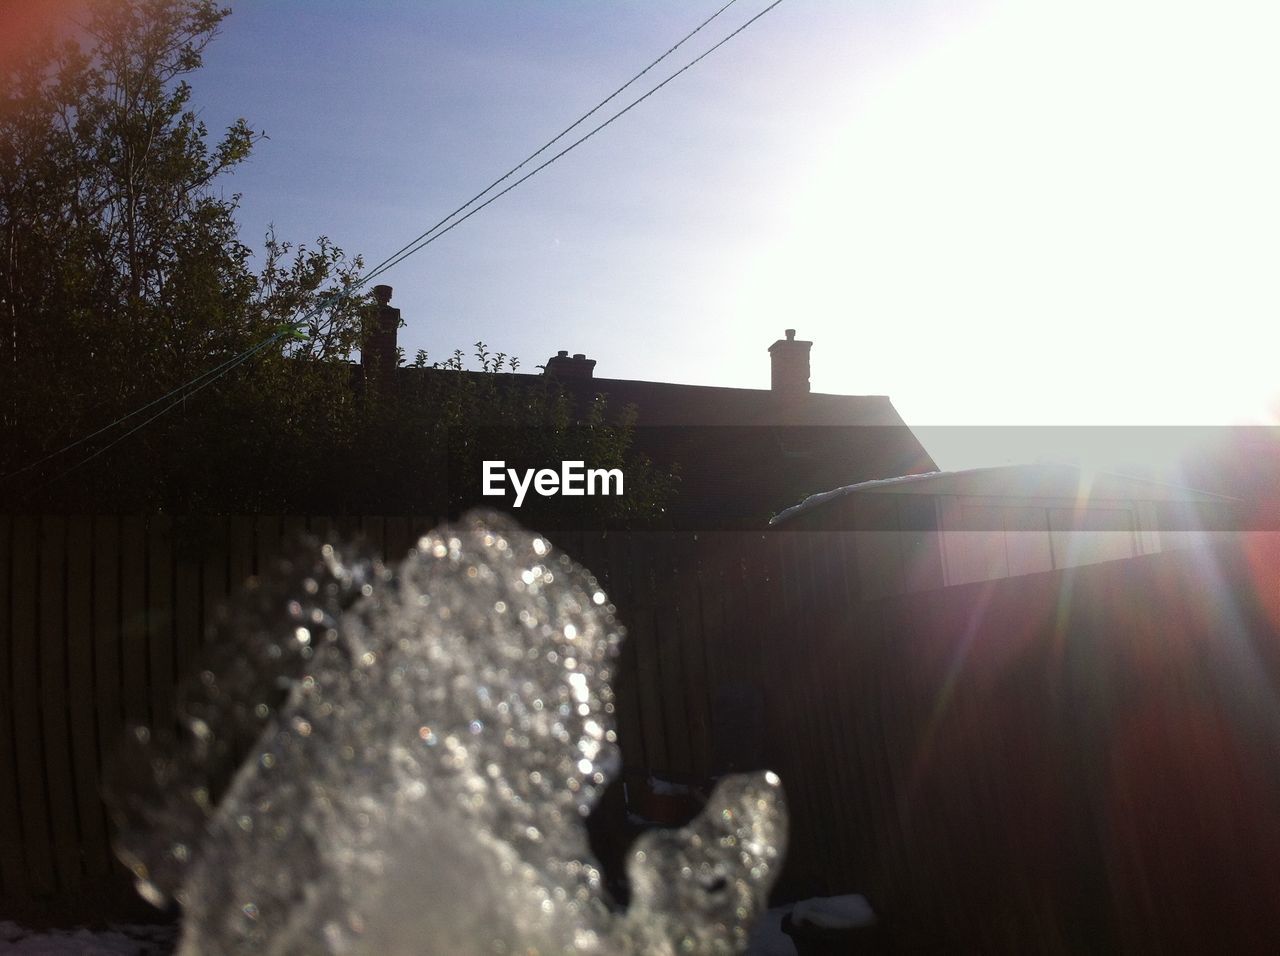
(1081, 761)
(98, 616)
(978, 758)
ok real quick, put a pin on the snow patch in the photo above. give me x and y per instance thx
(124, 940)
(834, 912)
(841, 492)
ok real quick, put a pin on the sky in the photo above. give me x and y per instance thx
(996, 212)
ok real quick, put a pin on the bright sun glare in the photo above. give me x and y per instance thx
(1057, 213)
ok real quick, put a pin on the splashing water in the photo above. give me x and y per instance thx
(379, 762)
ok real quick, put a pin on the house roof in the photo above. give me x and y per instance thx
(668, 404)
(743, 454)
(663, 404)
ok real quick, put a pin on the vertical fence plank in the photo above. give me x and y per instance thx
(766, 615)
(28, 735)
(746, 612)
(712, 638)
(627, 685)
(266, 543)
(568, 543)
(84, 751)
(638, 567)
(213, 576)
(321, 527)
(830, 636)
(595, 549)
(397, 541)
(13, 878)
(667, 637)
(160, 619)
(346, 529)
(53, 699)
(186, 611)
(863, 720)
(848, 640)
(897, 703)
(240, 549)
(791, 736)
(801, 637)
(373, 530)
(106, 634)
(818, 691)
(804, 639)
(292, 527)
(690, 645)
(420, 525)
(134, 655)
(735, 682)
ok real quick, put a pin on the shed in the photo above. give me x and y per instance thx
(938, 529)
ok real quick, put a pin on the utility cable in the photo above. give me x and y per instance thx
(180, 393)
(388, 261)
(242, 358)
(225, 366)
(422, 243)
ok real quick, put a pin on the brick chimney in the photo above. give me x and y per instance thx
(379, 354)
(790, 361)
(562, 366)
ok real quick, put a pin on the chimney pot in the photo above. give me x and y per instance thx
(562, 366)
(789, 359)
(378, 351)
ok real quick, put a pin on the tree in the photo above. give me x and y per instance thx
(123, 280)
(122, 277)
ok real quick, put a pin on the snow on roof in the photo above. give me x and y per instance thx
(968, 481)
(834, 493)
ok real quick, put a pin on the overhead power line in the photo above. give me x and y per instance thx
(390, 260)
(230, 364)
(178, 395)
(422, 242)
(181, 392)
